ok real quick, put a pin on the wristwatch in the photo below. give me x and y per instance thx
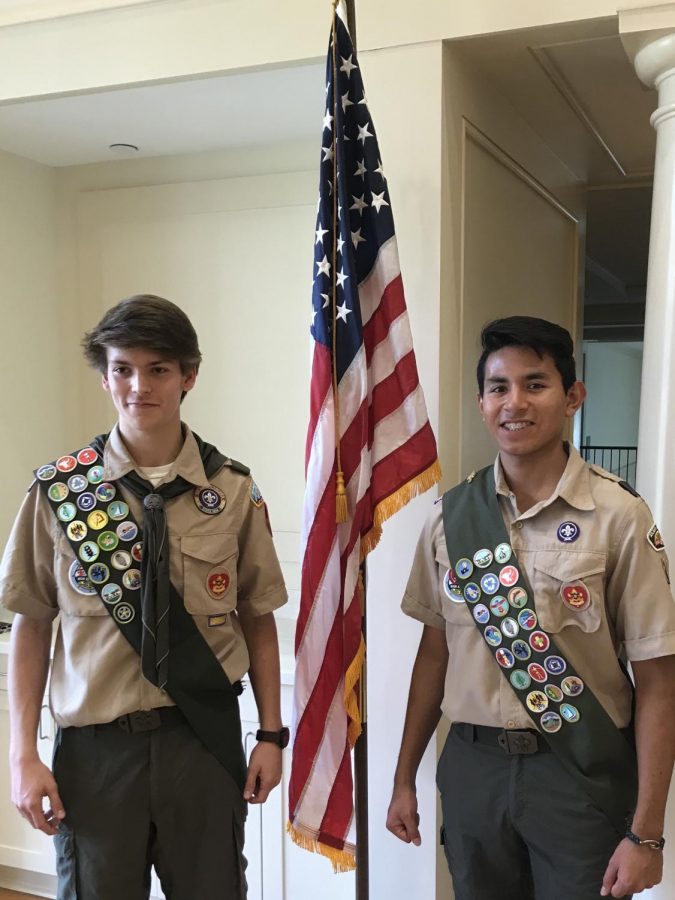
(280, 738)
(646, 842)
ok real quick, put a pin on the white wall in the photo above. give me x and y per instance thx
(612, 375)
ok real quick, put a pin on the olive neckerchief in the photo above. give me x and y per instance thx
(563, 708)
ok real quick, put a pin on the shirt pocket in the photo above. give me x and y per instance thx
(553, 570)
(209, 573)
(74, 589)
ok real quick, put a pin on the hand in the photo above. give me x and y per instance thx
(31, 781)
(264, 772)
(631, 869)
(402, 817)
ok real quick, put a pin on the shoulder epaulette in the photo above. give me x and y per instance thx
(237, 466)
(610, 476)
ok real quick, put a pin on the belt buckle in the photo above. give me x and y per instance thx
(518, 742)
(141, 720)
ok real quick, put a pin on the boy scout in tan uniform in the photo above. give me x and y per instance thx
(134, 783)
(520, 821)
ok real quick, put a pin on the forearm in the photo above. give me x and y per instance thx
(260, 633)
(424, 704)
(655, 741)
(28, 668)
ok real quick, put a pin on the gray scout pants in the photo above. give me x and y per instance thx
(518, 827)
(133, 800)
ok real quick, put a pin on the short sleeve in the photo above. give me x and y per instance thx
(260, 583)
(638, 590)
(27, 582)
(422, 599)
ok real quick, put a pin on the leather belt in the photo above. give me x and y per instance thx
(514, 742)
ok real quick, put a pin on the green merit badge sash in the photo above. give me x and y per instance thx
(500, 600)
(108, 547)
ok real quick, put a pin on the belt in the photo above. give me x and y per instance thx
(514, 742)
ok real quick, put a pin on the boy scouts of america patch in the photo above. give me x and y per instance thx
(210, 500)
(654, 538)
(256, 496)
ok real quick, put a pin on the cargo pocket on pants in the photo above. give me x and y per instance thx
(64, 843)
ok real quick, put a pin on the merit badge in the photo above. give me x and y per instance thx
(505, 658)
(550, 722)
(46, 473)
(87, 456)
(127, 531)
(481, 614)
(575, 596)
(256, 496)
(66, 463)
(517, 597)
(57, 491)
(210, 500)
(510, 627)
(568, 532)
(521, 649)
(472, 592)
(118, 510)
(493, 636)
(503, 553)
(509, 575)
(537, 701)
(539, 641)
(77, 577)
(464, 567)
(569, 713)
(111, 593)
(452, 590)
(76, 530)
(556, 665)
(553, 692)
(132, 579)
(123, 613)
(106, 492)
(97, 519)
(654, 538)
(99, 573)
(95, 475)
(482, 558)
(86, 501)
(572, 685)
(77, 483)
(520, 680)
(89, 552)
(66, 512)
(217, 583)
(490, 583)
(137, 551)
(537, 672)
(499, 606)
(107, 540)
(120, 560)
(527, 619)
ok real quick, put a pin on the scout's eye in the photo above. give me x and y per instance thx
(120, 370)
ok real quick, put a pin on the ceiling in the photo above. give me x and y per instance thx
(239, 110)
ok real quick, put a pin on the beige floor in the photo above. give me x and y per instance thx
(12, 895)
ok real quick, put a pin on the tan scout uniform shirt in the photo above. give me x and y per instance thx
(96, 675)
(631, 603)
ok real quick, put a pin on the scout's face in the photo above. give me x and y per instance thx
(524, 404)
(145, 388)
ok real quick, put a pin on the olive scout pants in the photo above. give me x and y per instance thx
(517, 826)
(134, 799)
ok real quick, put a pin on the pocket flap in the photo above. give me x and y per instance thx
(568, 565)
(211, 548)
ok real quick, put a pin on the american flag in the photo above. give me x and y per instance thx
(386, 449)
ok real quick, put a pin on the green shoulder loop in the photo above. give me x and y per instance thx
(610, 476)
(237, 466)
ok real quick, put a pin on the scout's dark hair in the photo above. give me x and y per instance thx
(536, 334)
(147, 322)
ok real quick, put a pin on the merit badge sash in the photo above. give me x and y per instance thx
(501, 603)
(108, 547)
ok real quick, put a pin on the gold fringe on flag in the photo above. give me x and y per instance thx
(342, 860)
(352, 705)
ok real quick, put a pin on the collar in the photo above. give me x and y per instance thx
(117, 461)
(574, 486)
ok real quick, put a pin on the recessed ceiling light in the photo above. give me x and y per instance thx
(123, 148)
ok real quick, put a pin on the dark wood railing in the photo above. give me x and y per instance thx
(622, 461)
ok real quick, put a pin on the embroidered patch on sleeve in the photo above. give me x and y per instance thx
(654, 538)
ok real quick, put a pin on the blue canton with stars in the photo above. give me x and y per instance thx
(365, 220)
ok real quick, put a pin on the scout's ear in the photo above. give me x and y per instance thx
(105, 384)
(575, 397)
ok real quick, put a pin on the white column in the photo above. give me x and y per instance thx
(655, 65)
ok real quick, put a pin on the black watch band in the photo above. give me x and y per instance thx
(653, 844)
(280, 738)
